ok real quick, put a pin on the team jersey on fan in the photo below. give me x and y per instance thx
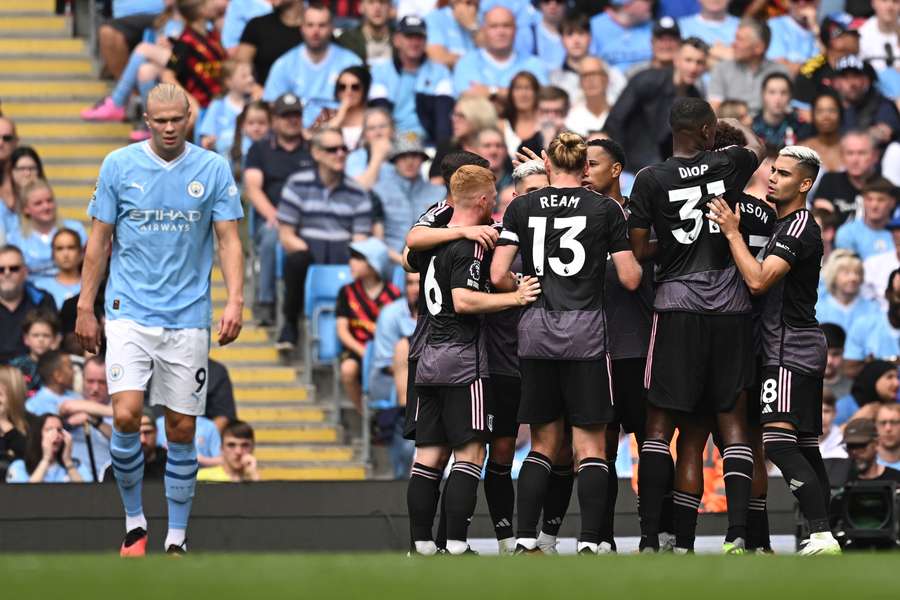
(454, 353)
(163, 213)
(791, 334)
(564, 236)
(695, 271)
(629, 315)
(437, 215)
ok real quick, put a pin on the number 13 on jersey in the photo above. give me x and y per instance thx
(572, 226)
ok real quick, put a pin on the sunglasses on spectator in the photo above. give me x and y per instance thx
(8, 137)
(343, 87)
(10, 269)
(334, 149)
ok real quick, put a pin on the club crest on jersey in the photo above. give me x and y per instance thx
(232, 190)
(116, 372)
(195, 189)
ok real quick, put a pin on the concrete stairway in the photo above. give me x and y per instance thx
(46, 78)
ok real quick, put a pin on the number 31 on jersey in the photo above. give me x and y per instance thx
(689, 212)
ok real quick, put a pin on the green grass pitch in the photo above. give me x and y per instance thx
(392, 577)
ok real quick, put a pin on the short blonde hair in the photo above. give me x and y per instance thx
(478, 110)
(24, 194)
(469, 183)
(838, 261)
(168, 93)
(568, 152)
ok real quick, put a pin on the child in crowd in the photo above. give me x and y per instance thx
(357, 308)
(238, 462)
(216, 131)
(38, 225)
(57, 379)
(67, 257)
(776, 123)
(40, 333)
(251, 126)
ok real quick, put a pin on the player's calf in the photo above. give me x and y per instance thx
(461, 494)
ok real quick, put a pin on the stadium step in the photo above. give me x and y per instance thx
(296, 435)
(51, 152)
(263, 376)
(75, 130)
(18, 90)
(275, 454)
(63, 67)
(22, 111)
(28, 25)
(40, 48)
(250, 396)
(8, 7)
(323, 473)
(283, 416)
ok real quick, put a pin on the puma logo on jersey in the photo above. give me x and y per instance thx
(136, 185)
(695, 171)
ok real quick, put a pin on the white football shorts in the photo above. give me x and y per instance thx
(173, 361)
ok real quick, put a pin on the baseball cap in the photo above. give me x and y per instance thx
(375, 252)
(286, 104)
(666, 26)
(835, 25)
(860, 431)
(850, 63)
(411, 25)
(407, 144)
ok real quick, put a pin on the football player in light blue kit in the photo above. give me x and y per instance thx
(157, 203)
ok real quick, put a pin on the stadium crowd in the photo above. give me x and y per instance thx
(336, 117)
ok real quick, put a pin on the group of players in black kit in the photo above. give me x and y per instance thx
(586, 312)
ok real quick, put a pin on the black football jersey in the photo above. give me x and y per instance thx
(791, 334)
(501, 331)
(564, 236)
(695, 271)
(757, 222)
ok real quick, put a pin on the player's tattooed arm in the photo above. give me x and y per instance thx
(468, 301)
(425, 238)
(759, 277)
(96, 254)
(502, 278)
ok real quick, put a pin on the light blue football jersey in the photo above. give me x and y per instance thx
(163, 214)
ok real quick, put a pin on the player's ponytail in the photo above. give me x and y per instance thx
(568, 152)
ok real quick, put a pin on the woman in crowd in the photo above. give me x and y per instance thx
(351, 90)
(38, 225)
(67, 257)
(875, 385)
(842, 303)
(25, 166)
(520, 127)
(470, 115)
(48, 456)
(251, 126)
(13, 426)
(827, 114)
(366, 163)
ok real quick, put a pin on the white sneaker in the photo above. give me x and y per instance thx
(821, 544)
(666, 541)
(547, 543)
(507, 546)
(587, 548)
(605, 548)
(428, 548)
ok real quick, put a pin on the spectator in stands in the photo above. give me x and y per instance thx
(868, 236)
(154, 454)
(8, 143)
(57, 380)
(864, 106)
(621, 34)
(270, 162)
(369, 162)
(590, 115)
(90, 420)
(553, 108)
(879, 267)
(251, 126)
(490, 144)
(321, 212)
(418, 91)
(887, 424)
(37, 227)
(13, 425)
(520, 127)
(488, 70)
(875, 336)
(216, 130)
(876, 384)
(714, 26)
(641, 114)
(827, 222)
(540, 36)
(350, 91)
(206, 438)
(741, 77)
(309, 70)
(835, 379)
(25, 167)
(220, 406)
(664, 44)
(451, 31)
(371, 39)
(794, 35)
(117, 38)
(404, 193)
(67, 258)
(267, 37)
(357, 308)
(238, 462)
(48, 456)
(879, 43)
(841, 192)
(735, 109)
(40, 334)
(197, 55)
(826, 122)
(18, 297)
(831, 441)
(842, 303)
(470, 115)
(861, 439)
(576, 39)
(839, 39)
(776, 123)
(237, 15)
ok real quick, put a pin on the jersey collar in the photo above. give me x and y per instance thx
(167, 165)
